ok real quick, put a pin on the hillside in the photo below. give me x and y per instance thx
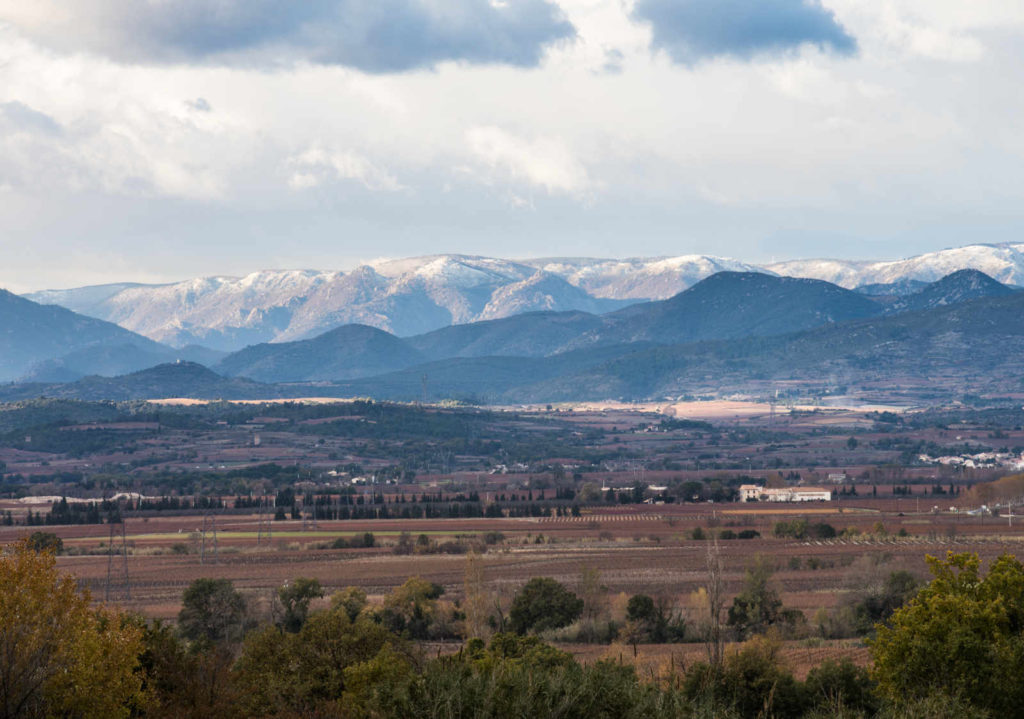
(344, 353)
(534, 334)
(726, 305)
(31, 333)
(892, 289)
(952, 289)
(730, 305)
(977, 345)
(178, 379)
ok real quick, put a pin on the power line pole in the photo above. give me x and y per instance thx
(215, 539)
(110, 560)
(259, 524)
(202, 544)
(124, 549)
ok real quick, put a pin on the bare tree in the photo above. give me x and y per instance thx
(594, 594)
(714, 640)
(477, 601)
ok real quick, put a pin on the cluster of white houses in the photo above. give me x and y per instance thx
(757, 493)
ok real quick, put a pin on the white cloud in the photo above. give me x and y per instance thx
(316, 166)
(372, 35)
(545, 162)
(942, 30)
(652, 158)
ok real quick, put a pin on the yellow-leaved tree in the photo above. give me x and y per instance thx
(58, 655)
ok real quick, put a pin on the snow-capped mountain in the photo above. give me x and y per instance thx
(405, 297)
(1004, 263)
(544, 291)
(656, 278)
(417, 295)
(220, 312)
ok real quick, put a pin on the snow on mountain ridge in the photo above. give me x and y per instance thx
(640, 278)
(543, 291)
(1003, 262)
(415, 295)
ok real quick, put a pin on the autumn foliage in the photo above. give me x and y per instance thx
(58, 655)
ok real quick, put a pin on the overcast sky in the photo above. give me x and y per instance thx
(152, 140)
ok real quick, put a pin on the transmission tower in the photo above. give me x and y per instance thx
(202, 544)
(124, 553)
(110, 561)
(260, 520)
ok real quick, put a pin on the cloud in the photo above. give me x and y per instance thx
(694, 30)
(317, 165)
(376, 36)
(544, 162)
(200, 104)
(18, 117)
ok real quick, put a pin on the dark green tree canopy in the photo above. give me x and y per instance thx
(758, 604)
(961, 637)
(543, 604)
(640, 608)
(295, 598)
(45, 542)
(212, 611)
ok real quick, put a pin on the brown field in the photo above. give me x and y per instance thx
(635, 549)
(644, 548)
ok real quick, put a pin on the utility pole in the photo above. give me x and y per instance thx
(202, 544)
(124, 549)
(215, 539)
(110, 560)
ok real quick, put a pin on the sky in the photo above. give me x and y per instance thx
(156, 140)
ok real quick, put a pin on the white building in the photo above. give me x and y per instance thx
(750, 492)
(755, 493)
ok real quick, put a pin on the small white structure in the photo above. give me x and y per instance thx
(755, 493)
(750, 492)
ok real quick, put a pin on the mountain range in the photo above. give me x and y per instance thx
(414, 296)
(50, 343)
(940, 353)
(728, 330)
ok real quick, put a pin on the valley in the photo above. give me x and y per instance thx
(365, 494)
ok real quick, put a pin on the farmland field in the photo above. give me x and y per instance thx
(604, 491)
